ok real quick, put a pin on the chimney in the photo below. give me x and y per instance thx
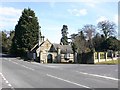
(42, 38)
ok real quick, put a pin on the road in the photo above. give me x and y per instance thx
(22, 74)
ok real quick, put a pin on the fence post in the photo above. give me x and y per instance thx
(105, 56)
(98, 56)
(94, 54)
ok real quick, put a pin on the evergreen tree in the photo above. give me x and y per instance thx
(111, 43)
(4, 42)
(10, 37)
(26, 32)
(64, 32)
(98, 40)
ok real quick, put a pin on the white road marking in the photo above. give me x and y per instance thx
(52, 66)
(106, 77)
(7, 81)
(48, 66)
(14, 62)
(27, 67)
(68, 81)
(23, 65)
(9, 85)
(3, 78)
(44, 65)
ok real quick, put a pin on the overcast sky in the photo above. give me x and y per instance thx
(53, 15)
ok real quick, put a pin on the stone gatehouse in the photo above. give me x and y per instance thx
(48, 52)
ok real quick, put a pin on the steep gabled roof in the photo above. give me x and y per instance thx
(36, 47)
(63, 48)
(53, 49)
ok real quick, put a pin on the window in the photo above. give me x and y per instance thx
(67, 56)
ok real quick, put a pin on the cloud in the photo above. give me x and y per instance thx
(113, 19)
(101, 18)
(92, 3)
(10, 11)
(4, 22)
(4, 19)
(9, 15)
(78, 12)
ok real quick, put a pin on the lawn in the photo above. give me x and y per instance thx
(110, 62)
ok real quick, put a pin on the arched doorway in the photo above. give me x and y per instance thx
(49, 58)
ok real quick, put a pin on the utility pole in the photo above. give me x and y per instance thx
(39, 38)
(39, 42)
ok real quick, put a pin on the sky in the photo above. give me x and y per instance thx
(52, 15)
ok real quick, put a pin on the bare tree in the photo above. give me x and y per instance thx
(89, 31)
(107, 27)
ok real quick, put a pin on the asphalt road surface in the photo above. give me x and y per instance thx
(16, 73)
